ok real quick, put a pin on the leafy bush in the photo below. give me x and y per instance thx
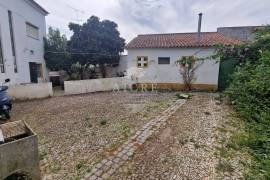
(249, 92)
(233, 57)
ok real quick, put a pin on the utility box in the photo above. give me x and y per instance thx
(18, 152)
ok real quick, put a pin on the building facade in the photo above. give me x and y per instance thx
(244, 33)
(152, 59)
(22, 29)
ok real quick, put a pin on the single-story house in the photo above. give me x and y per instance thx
(155, 56)
(22, 29)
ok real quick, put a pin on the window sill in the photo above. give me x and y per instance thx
(33, 38)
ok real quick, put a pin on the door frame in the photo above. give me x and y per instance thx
(33, 72)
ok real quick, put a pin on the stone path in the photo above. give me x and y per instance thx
(108, 166)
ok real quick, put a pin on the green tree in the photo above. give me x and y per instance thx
(95, 42)
(56, 55)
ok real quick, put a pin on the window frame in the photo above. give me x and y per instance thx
(144, 61)
(167, 58)
(12, 39)
(32, 26)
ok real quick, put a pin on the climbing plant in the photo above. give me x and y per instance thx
(187, 66)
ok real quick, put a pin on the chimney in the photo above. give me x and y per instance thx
(199, 26)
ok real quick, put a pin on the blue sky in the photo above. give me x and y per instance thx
(158, 16)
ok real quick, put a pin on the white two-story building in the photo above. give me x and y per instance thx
(22, 29)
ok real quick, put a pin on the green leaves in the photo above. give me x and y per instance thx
(250, 92)
(187, 66)
(95, 42)
(55, 46)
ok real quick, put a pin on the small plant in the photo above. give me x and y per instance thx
(80, 164)
(55, 168)
(187, 66)
(239, 140)
(192, 140)
(103, 122)
(88, 123)
(197, 145)
(42, 154)
(87, 118)
(183, 141)
(125, 129)
(224, 166)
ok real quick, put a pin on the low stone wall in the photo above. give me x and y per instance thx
(95, 85)
(30, 91)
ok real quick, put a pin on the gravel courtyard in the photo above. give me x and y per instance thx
(76, 132)
(188, 146)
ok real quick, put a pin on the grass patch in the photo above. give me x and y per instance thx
(55, 168)
(42, 154)
(125, 129)
(88, 122)
(224, 166)
(80, 165)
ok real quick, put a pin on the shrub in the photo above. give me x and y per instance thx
(249, 92)
(187, 66)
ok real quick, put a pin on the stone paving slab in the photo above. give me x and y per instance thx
(108, 166)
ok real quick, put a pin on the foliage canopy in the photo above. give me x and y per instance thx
(55, 46)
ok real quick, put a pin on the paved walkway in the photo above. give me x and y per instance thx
(108, 166)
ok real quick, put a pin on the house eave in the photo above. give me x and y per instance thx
(37, 7)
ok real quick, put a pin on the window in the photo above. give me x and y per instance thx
(10, 19)
(2, 67)
(39, 71)
(32, 31)
(142, 61)
(163, 60)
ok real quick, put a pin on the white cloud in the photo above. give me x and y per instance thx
(158, 16)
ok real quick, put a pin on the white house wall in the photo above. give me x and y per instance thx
(22, 12)
(160, 73)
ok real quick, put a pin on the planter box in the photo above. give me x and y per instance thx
(19, 152)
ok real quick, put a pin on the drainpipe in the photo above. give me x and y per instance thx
(199, 26)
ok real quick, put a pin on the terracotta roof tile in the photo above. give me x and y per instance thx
(177, 40)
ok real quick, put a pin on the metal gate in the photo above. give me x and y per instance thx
(226, 69)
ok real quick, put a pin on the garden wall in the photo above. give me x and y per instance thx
(30, 91)
(95, 85)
